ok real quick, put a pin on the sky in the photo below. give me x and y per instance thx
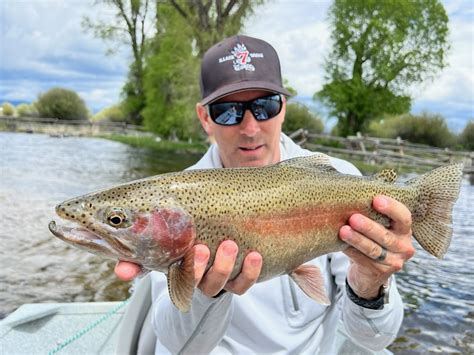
(42, 45)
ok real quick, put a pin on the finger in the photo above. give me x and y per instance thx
(358, 257)
(217, 276)
(201, 258)
(251, 268)
(396, 211)
(127, 271)
(376, 232)
(363, 244)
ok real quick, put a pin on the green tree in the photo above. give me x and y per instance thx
(8, 109)
(171, 89)
(26, 110)
(299, 116)
(380, 48)
(62, 104)
(185, 30)
(113, 113)
(212, 20)
(131, 27)
(466, 138)
(426, 128)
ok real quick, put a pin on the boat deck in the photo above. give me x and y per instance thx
(85, 328)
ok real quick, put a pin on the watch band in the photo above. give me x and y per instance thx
(377, 303)
(221, 292)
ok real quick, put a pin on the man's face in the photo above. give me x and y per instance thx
(250, 143)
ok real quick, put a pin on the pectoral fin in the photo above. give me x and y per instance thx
(311, 282)
(181, 281)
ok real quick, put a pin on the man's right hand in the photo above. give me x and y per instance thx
(217, 277)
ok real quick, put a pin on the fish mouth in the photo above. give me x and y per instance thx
(92, 241)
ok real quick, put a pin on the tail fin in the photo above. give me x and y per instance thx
(432, 221)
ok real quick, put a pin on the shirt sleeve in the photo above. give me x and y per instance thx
(197, 331)
(373, 329)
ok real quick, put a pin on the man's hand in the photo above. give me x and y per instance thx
(127, 271)
(217, 277)
(366, 274)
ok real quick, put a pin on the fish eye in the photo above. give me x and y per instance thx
(116, 218)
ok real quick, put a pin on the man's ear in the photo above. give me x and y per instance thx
(204, 118)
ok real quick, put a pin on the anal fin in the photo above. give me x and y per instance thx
(311, 281)
(181, 281)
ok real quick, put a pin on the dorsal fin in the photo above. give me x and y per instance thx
(317, 161)
(386, 175)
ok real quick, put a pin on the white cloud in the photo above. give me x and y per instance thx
(457, 78)
(45, 46)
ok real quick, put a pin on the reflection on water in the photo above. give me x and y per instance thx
(438, 294)
(37, 172)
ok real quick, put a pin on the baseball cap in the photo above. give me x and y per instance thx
(240, 63)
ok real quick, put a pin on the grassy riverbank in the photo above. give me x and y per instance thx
(159, 146)
(201, 147)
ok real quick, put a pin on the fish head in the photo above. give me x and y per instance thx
(152, 232)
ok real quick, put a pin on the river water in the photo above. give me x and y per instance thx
(38, 171)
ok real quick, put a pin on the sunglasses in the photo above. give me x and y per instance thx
(232, 113)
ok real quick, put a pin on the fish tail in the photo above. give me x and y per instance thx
(432, 217)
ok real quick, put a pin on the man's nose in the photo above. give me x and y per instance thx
(249, 125)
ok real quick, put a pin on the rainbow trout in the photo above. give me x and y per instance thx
(289, 212)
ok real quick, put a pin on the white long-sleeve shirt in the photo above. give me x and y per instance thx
(274, 316)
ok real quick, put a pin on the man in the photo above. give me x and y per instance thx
(243, 109)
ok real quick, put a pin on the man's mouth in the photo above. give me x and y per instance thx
(251, 148)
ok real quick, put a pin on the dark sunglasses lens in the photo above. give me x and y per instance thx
(266, 107)
(226, 113)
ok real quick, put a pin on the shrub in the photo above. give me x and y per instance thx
(8, 109)
(63, 104)
(299, 116)
(113, 113)
(26, 110)
(466, 138)
(427, 128)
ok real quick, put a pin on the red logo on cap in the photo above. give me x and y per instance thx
(242, 58)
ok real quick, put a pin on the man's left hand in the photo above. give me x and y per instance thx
(368, 272)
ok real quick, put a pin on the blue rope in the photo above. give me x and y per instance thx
(87, 328)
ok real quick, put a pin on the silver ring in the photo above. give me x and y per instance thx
(382, 255)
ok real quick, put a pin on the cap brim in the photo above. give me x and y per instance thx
(243, 86)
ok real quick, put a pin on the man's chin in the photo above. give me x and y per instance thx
(249, 158)
(254, 161)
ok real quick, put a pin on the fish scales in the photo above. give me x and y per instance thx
(289, 212)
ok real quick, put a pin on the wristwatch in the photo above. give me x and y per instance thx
(377, 303)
